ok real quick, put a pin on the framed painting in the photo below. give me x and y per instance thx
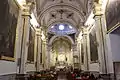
(112, 14)
(8, 24)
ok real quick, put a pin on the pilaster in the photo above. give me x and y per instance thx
(49, 47)
(39, 49)
(85, 42)
(100, 37)
(25, 37)
(79, 51)
(44, 54)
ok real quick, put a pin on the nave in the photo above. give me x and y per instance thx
(62, 76)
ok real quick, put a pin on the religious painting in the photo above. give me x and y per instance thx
(93, 46)
(30, 57)
(112, 13)
(8, 23)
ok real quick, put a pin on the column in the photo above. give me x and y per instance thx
(48, 55)
(39, 50)
(100, 38)
(75, 55)
(35, 49)
(74, 48)
(44, 55)
(79, 51)
(25, 37)
(85, 48)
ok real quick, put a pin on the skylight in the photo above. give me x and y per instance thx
(61, 27)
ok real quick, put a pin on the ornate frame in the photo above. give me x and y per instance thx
(8, 33)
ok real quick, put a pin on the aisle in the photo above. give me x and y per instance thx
(61, 76)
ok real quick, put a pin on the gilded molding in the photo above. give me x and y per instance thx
(26, 9)
(7, 58)
(98, 11)
(113, 28)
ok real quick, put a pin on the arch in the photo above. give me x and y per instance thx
(54, 37)
(61, 21)
(77, 1)
(41, 14)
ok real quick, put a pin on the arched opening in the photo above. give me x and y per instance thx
(61, 37)
(61, 52)
(62, 29)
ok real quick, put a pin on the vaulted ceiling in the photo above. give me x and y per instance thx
(73, 12)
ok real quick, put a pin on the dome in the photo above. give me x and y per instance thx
(62, 29)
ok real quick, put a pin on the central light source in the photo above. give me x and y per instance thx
(61, 27)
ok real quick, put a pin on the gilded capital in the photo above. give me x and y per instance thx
(26, 9)
(98, 11)
(38, 32)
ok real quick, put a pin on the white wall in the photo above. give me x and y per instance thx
(30, 67)
(94, 67)
(115, 47)
(82, 67)
(7, 67)
(109, 55)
